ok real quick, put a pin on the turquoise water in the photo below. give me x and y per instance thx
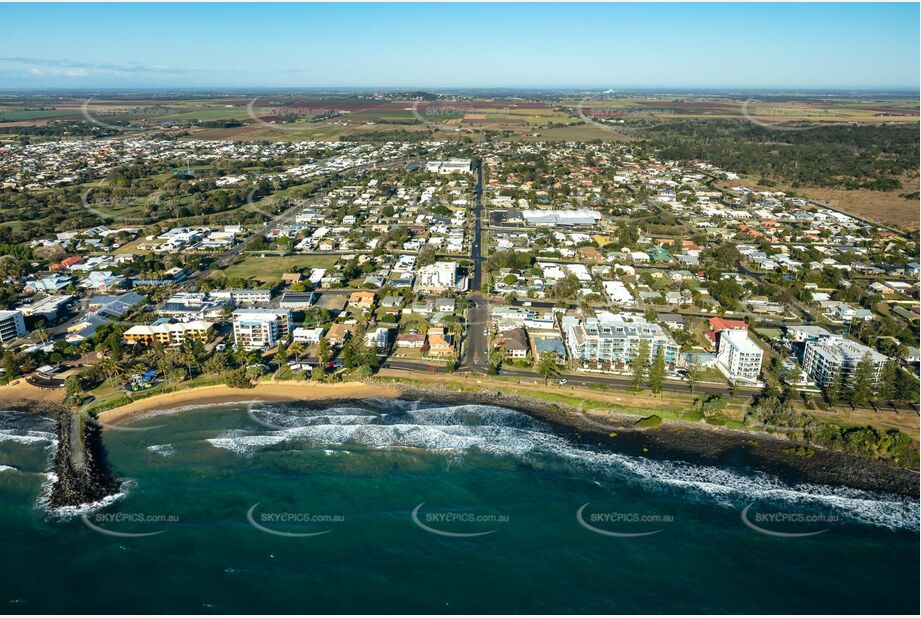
(356, 473)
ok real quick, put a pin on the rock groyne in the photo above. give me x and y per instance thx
(82, 474)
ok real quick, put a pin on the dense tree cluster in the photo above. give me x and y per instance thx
(849, 157)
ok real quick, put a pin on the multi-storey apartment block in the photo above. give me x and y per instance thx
(257, 329)
(739, 356)
(11, 325)
(824, 356)
(615, 339)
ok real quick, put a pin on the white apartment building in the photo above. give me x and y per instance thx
(824, 356)
(12, 326)
(243, 297)
(257, 329)
(615, 338)
(440, 277)
(307, 336)
(738, 356)
(450, 166)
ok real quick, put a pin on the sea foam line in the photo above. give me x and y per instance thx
(471, 427)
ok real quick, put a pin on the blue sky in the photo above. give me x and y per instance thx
(460, 45)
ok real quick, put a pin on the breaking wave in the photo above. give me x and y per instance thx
(507, 433)
(64, 513)
(27, 436)
(163, 450)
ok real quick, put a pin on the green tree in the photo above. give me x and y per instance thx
(296, 349)
(323, 351)
(236, 378)
(889, 381)
(548, 365)
(862, 382)
(834, 390)
(639, 364)
(693, 373)
(657, 373)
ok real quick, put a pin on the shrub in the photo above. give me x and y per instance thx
(648, 421)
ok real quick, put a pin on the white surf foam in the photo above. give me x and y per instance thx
(163, 450)
(504, 432)
(28, 437)
(64, 513)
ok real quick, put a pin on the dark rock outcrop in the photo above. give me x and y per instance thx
(83, 474)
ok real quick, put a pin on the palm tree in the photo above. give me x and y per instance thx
(113, 370)
(296, 349)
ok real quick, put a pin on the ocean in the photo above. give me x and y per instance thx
(384, 506)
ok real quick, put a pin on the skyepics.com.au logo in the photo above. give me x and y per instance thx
(115, 524)
(611, 118)
(773, 117)
(459, 523)
(121, 118)
(293, 524)
(270, 114)
(787, 524)
(451, 116)
(622, 524)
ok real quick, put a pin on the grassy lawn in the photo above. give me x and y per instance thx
(273, 267)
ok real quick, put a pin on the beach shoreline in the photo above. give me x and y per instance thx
(264, 391)
(697, 443)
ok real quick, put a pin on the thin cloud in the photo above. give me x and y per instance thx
(75, 68)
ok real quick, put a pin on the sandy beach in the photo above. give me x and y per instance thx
(20, 390)
(264, 391)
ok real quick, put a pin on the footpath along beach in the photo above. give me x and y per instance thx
(606, 428)
(693, 442)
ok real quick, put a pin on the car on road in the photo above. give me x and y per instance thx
(485, 332)
(562, 381)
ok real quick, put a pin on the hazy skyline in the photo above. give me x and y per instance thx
(794, 46)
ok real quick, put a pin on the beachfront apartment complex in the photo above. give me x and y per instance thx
(738, 356)
(824, 356)
(167, 334)
(258, 329)
(614, 339)
(12, 326)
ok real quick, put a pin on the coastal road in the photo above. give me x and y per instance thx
(477, 356)
(579, 379)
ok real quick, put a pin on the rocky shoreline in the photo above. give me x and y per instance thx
(696, 443)
(81, 472)
(83, 475)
